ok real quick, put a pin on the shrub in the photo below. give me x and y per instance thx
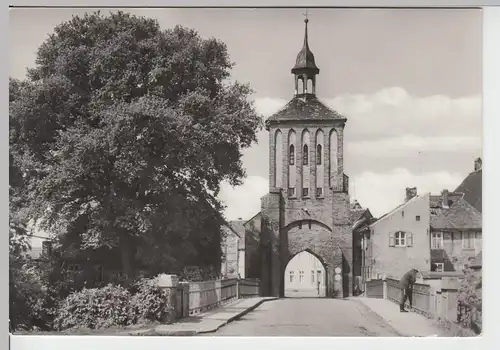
(198, 274)
(150, 302)
(94, 308)
(27, 295)
(470, 300)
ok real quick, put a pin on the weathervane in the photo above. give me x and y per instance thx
(305, 15)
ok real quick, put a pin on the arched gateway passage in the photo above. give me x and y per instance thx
(305, 277)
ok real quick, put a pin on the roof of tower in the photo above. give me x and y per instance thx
(310, 108)
(305, 58)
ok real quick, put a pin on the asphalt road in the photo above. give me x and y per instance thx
(309, 317)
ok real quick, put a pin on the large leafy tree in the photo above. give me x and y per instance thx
(122, 135)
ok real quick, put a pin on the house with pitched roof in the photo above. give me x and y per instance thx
(472, 186)
(426, 232)
(240, 248)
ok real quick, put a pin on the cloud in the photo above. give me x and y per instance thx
(381, 192)
(377, 122)
(268, 106)
(244, 201)
(392, 112)
(408, 144)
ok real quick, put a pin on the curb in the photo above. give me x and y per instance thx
(155, 332)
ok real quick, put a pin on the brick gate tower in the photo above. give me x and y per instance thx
(307, 208)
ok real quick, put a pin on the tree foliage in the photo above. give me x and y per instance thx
(122, 134)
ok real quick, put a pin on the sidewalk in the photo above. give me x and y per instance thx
(408, 324)
(206, 322)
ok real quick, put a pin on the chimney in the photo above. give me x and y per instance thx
(410, 193)
(445, 199)
(478, 164)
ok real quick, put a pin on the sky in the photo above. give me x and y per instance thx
(409, 83)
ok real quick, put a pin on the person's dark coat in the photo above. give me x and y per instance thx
(408, 279)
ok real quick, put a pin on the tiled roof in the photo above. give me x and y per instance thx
(472, 188)
(477, 261)
(459, 215)
(355, 214)
(238, 226)
(305, 108)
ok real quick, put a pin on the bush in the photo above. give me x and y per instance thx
(470, 301)
(94, 308)
(27, 297)
(150, 302)
(198, 274)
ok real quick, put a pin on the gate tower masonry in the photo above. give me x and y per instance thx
(308, 205)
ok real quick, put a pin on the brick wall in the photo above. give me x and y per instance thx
(396, 261)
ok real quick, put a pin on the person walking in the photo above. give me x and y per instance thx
(406, 285)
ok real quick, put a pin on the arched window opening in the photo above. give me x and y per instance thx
(292, 155)
(305, 156)
(309, 86)
(300, 85)
(319, 152)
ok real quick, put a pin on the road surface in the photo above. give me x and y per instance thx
(309, 317)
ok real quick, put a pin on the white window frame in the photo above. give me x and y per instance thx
(301, 276)
(401, 240)
(437, 237)
(471, 238)
(291, 274)
(439, 267)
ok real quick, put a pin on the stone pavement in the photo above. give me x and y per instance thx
(207, 322)
(302, 317)
(408, 324)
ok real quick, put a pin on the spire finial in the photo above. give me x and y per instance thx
(305, 15)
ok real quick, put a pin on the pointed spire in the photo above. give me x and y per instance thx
(305, 69)
(305, 59)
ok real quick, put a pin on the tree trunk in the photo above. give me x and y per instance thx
(127, 251)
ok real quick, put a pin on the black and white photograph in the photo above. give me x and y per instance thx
(246, 172)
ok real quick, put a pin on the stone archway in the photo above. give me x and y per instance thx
(305, 276)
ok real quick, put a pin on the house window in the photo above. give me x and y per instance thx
(301, 276)
(319, 192)
(437, 240)
(402, 213)
(291, 276)
(292, 155)
(468, 240)
(305, 192)
(439, 267)
(312, 276)
(291, 192)
(400, 239)
(319, 151)
(305, 155)
(417, 217)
